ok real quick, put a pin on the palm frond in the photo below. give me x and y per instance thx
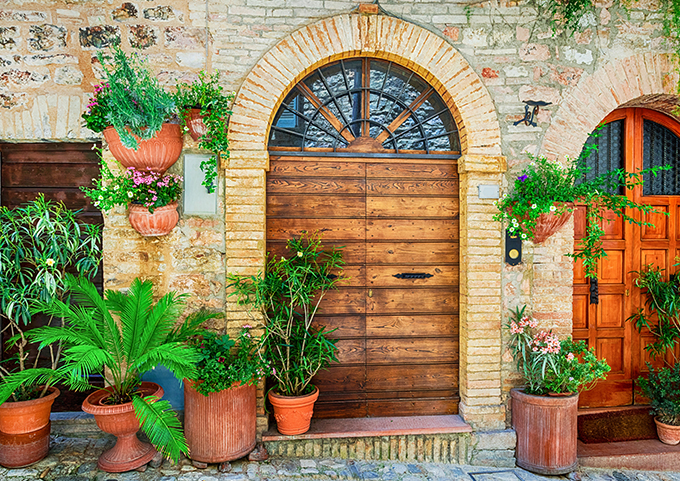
(83, 360)
(27, 377)
(133, 309)
(192, 325)
(160, 321)
(178, 358)
(160, 423)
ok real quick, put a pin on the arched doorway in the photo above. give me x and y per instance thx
(632, 138)
(365, 150)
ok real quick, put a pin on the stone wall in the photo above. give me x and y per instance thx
(48, 68)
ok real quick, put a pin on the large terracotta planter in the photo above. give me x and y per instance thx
(547, 224)
(220, 427)
(160, 222)
(293, 413)
(546, 428)
(668, 434)
(156, 154)
(25, 430)
(129, 452)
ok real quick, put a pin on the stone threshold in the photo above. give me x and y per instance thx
(376, 427)
(644, 455)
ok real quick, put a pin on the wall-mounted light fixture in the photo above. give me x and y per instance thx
(530, 114)
(513, 249)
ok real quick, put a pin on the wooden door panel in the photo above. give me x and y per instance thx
(412, 187)
(351, 351)
(433, 171)
(612, 271)
(385, 276)
(419, 254)
(350, 229)
(606, 394)
(612, 226)
(416, 377)
(401, 229)
(315, 186)
(404, 301)
(660, 228)
(331, 409)
(353, 253)
(413, 407)
(612, 351)
(339, 378)
(411, 207)
(407, 326)
(343, 326)
(610, 312)
(581, 305)
(292, 168)
(346, 300)
(45, 174)
(355, 276)
(324, 206)
(411, 351)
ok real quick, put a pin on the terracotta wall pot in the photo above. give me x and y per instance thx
(129, 452)
(293, 413)
(221, 426)
(161, 222)
(548, 224)
(157, 153)
(546, 428)
(25, 430)
(668, 434)
(195, 124)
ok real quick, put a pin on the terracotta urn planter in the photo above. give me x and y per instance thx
(119, 419)
(25, 430)
(293, 414)
(156, 154)
(547, 224)
(546, 428)
(221, 426)
(668, 434)
(160, 222)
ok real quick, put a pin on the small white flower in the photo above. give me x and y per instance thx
(524, 236)
(115, 187)
(300, 254)
(101, 197)
(515, 221)
(495, 202)
(49, 262)
(533, 206)
(511, 229)
(130, 195)
(553, 208)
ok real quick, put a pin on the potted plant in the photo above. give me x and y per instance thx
(205, 109)
(151, 197)
(39, 243)
(662, 388)
(121, 337)
(288, 296)
(134, 112)
(220, 399)
(543, 197)
(544, 412)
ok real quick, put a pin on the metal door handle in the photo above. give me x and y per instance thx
(413, 275)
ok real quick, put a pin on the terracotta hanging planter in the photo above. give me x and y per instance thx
(119, 419)
(160, 222)
(547, 224)
(668, 434)
(546, 428)
(293, 413)
(221, 426)
(156, 154)
(195, 124)
(25, 430)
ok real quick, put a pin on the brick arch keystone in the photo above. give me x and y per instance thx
(595, 96)
(342, 36)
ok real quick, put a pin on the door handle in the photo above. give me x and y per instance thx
(370, 293)
(413, 275)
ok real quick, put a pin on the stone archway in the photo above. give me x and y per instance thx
(460, 87)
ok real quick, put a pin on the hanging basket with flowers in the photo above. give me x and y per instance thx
(151, 196)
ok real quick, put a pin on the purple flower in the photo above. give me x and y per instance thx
(522, 178)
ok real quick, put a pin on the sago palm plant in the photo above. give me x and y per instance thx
(121, 337)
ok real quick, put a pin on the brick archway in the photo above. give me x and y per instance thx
(609, 87)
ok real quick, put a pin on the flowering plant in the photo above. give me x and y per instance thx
(549, 187)
(98, 108)
(151, 189)
(548, 364)
(224, 362)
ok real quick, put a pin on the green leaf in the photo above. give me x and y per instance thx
(160, 423)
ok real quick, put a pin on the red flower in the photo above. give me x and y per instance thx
(221, 359)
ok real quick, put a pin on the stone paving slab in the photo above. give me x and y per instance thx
(75, 459)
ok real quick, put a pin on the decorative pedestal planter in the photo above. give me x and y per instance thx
(129, 452)
(668, 434)
(156, 154)
(220, 427)
(293, 413)
(546, 430)
(25, 430)
(548, 224)
(161, 222)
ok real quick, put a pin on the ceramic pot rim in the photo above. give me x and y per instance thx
(53, 393)
(92, 404)
(666, 426)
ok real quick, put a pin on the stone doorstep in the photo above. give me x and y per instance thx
(375, 427)
(644, 455)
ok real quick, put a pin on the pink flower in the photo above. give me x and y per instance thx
(247, 326)
(570, 356)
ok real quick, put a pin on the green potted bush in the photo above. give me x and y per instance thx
(220, 399)
(545, 411)
(288, 296)
(205, 109)
(151, 197)
(135, 113)
(121, 337)
(544, 194)
(662, 388)
(39, 243)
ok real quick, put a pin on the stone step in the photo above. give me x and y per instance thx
(644, 455)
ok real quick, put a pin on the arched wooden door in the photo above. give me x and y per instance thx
(365, 151)
(634, 139)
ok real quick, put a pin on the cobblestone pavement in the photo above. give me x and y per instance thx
(75, 459)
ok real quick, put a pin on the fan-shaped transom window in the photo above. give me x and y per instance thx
(364, 105)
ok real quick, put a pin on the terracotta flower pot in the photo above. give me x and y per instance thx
(547, 224)
(668, 434)
(293, 413)
(25, 430)
(161, 222)
(546, 428)
(129, 452)
(221, 426)
(195, 124)
(156, 154)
